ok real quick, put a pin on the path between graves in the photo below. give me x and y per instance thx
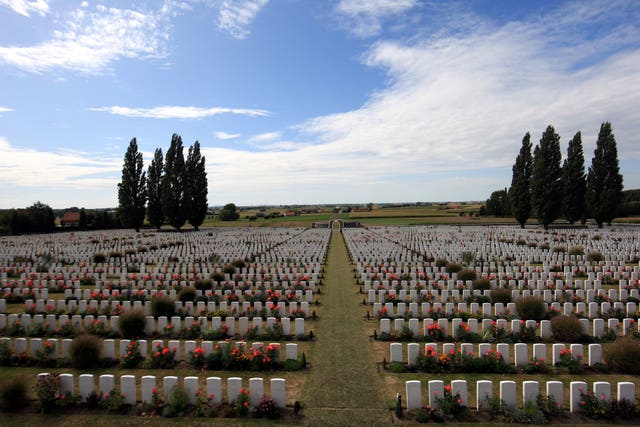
(344, 387)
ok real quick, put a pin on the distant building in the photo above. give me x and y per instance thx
(70, 219)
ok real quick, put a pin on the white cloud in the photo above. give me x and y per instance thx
(235, 16)
(25, 7)
(5, 110)
(179, 112)
(89, 41)
(224, 135)
(267, 136)
(63, 169)
(364, 17)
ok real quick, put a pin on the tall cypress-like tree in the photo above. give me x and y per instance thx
(574, 183)
(196, 186)
(154, 190)
(520, 191)
(604, 182)
(132, 193)
(173, 184)
(546, 178)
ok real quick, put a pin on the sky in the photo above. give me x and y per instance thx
(305, 101)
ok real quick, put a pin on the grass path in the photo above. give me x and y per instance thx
(344, 387)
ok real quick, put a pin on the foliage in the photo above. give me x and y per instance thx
(622, 356)
(46, 389)
(531, 308)
(482, 284)
(13, 394)
(566, 328)
(229, 213)
(502, 295)
(467, 274)
(595, 256)
(132, 190)
(113, 401)
(546, 185)
(450, 405)
(85, 351)
(520, 191)
(173, 184)
(204, 284)
(178, 401)
(498, 204)
(154, 190)
(188, 293)
(267, 408)
(132, 358)
(576, 250)
(452, 267)
(162, 357)
(37, 218)
(604, 181)
(196, 186)
(241, 405)
(574, 181)
(132, 324)
(162, 305)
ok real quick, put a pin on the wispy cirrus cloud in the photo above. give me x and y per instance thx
(179, 112)
(5, 110)
(267, 136)
(235, 16)
(364, 18)
(89, 41)
(26, 7)
(225, 136)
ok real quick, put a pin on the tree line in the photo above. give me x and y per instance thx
(543, 187)
(172, 190)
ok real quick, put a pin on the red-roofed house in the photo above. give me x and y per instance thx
(70, 219)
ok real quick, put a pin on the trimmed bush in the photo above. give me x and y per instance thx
(229, 269)
(217, 277)
(239, 263)
(482, 285)
(452, 267)
(85, 351)
(162, 305)
(132, 324)
(13, 394)
(576, 250)
(99, 258)
(467, 274)
(203, 284)
(559, 249)
(595, 257)
(502, 295)
(623, 356)
(531, 308)
(188, 293)
(566, 328)
(441, 262)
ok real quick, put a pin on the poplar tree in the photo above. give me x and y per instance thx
(520, 191)
(154, 190)
(196, 188)
(574, 184)
(132, 193)
(546, 175)
(604, 181)
(173, 184)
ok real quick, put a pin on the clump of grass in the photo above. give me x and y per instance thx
(132, 324)
(162, 305)
(531, 308)
(566, 328)
(452, 267)
(85, 351)
(502, 295)
(483, 284)
(623, 355)
(467, 274)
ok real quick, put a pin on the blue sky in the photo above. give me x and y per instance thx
(301, 101)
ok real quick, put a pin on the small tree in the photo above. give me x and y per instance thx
(154, 190)
(546, 185)
(196, 186)
(520, 191)
(132, 190)
(229, 213)
(604, 181)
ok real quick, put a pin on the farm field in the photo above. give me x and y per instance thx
(355, 315)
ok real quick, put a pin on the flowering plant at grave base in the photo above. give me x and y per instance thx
(537, 366)
(450, 405)
(205, 407)
(96, 327)
(297, 314)
(227, 357)
(435, 332)
(464, 334)
(16, 330)
(383, 313)
(113, 401)
(162, 358)
(573, 365)
(190, 332)
(168, 331)
(132, 358)
(241, 405)
(46, 389)
(196, 358)
(44, 353)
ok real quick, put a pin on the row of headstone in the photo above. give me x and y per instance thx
(523, 353)
(162, 326)
(149, 384)
(591, 310)
(595, 328)
(117, 349)
(508, 393)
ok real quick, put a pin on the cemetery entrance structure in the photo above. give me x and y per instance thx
(336, 224)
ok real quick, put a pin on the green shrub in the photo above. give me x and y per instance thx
(566, 328)
(397, 367)
(99, 258)
(531, 308)
(203, 284)
(162, 305)
(502, 295)
(188, 293)
(239, 263)
(481, 284)
(467, 257)
(178, 400)
(452, 267)
(595, 257)
(85, 351)
(132, 324)
(623, 356)
(467, 274)
(229, 269)
(576, 250)
(521, 242)
(440, 262)
(544, 246)
(13, 394)
(217, 277)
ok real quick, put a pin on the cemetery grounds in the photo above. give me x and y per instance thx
(370, 287)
